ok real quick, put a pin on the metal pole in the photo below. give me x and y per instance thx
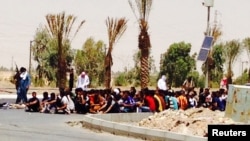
(208, 20)
(30, 57)
(207, 33)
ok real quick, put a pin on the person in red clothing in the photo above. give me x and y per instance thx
(148, 103)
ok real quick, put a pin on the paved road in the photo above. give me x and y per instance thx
(18, 125)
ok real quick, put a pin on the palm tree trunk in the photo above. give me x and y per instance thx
(107, 76)
(144, 68)
(61, 75)
(144, 45)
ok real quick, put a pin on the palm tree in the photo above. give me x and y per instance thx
(143, 7)
(116, 28)
(231, 50)
(60, 26)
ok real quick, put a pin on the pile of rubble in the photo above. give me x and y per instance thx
(191, 122)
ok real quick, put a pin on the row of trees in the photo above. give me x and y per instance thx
(52, 46)
(53, 53)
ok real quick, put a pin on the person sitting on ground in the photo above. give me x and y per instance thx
(182, 100)
(128, 104)
(63, 105)
(159, 97)
(70, 96)
(96, 101)
(192, 101)
(172, 101)
(81, 101)
(44, 100)
(33, 104)
(148, 103)
(216, 102)
(50, 105)
(138, 98)
(208, 98)
(132, 91)
(111, 105)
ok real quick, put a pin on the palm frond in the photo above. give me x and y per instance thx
(78, 29)
(143, 7)
(116, 28)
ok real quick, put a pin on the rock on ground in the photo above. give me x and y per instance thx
(191, 121)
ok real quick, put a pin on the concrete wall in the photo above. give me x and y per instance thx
(238, 103)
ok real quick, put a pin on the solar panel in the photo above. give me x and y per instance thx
(203, 54)
(207, 43)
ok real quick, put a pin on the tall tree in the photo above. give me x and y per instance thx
(231, 50)
(90, 59)
(218, 61)
(143, 8)
(176, 63)
(116, 28)
(60, 27)
(43, 51)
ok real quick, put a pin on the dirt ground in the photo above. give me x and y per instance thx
(191, 122)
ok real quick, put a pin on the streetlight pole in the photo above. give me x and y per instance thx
(208, 4)
(30, 56)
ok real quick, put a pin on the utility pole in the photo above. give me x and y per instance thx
(208, 4)
(30, 56)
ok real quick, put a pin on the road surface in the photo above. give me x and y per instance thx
(18, 125)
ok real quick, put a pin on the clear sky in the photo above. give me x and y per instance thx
(170, 21)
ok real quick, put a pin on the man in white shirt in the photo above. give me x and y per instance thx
(162, 84)
(82, 81)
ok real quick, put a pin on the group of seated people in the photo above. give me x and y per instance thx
(125, 101)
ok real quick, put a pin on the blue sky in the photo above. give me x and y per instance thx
(170, 21)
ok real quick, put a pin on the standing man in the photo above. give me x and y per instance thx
(162, 83)
(188, 85)
(25, 82)
(83, 81)
(71, 79)
(223, 83)
(17, 85)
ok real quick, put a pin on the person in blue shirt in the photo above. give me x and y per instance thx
(128, 104)
(25, 82)
(172, 100)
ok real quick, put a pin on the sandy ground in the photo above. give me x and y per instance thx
(193, 121)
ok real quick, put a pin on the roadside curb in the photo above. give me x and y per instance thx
(119, 124)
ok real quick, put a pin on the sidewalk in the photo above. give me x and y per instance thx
(13, 96)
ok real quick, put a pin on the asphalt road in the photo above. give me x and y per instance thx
(18, 125)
